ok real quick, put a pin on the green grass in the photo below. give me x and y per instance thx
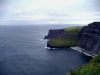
(70, 37)
(63, 42)
(73, 30)
(92, 68)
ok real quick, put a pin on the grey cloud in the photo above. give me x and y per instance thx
(57, 14)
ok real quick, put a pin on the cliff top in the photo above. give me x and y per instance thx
(74, 30)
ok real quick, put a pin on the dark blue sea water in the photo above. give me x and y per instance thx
(23, 52)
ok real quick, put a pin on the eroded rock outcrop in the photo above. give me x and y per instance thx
(90, 38)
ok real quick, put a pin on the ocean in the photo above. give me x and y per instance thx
(23, 52)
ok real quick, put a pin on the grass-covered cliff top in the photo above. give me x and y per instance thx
(92, 68)
(70, 37)
(76, 29)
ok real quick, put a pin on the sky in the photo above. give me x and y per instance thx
(49, 11)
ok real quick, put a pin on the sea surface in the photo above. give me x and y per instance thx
(23, 52)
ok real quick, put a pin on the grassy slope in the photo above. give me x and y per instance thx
(92, 68)
(70, 37)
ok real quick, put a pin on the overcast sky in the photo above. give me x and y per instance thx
(49, 11)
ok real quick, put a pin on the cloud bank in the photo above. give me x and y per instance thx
(49, 11)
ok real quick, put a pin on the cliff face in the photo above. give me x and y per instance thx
(54, 33)
(90, 38)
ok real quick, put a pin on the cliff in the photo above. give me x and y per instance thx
(87, 37)
(90, 38)
(64, 38)
(54, 33)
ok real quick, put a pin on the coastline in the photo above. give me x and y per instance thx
(86, 52)
(77, 48)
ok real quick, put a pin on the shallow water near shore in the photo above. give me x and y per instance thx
(23, 52)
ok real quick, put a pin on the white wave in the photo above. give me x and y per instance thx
(80, 50)
(76, 49)
(49, 47)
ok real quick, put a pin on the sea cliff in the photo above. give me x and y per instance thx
(87, 37)
(63, 38)
(90, 38)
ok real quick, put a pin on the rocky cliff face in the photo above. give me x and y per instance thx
(90, 38)
(54, 33)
